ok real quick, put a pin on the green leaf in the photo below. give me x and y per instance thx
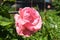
(3, 23)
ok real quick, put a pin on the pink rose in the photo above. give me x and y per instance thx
(27, 22)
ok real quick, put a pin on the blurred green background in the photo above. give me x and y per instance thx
(50, 29)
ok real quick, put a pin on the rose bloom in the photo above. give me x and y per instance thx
(28, 21)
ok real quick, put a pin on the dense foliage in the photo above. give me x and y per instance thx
(50, 29)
